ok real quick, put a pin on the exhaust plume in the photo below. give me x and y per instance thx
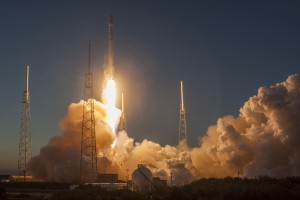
(263, 140)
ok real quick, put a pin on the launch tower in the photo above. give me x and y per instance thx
(25, 151)
(88, 159)
(182, 118)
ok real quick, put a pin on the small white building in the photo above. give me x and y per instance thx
(142, 179)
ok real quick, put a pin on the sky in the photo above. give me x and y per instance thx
(223, 51)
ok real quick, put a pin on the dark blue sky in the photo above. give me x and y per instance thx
(222, 50)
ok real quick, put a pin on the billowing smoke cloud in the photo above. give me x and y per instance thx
(263, 140)
(59, 160)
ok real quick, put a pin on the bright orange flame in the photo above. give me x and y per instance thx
(110, 93)
(110, 102)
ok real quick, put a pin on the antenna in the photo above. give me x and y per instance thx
(25, 150)
(89, 66)
(181, 92)
(123, 124)
(88, 159)
(182, 118)
(26, 91)
(27, 77)
(123, 109)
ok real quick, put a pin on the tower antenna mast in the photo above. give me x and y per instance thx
(182, 118)
(25, 151)
(88, 159)
(123, 124)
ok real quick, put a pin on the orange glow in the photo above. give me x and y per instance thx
(113, 113)
(110, 93)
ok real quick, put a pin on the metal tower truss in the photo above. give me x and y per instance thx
(25, 151)
(182, 118)
(88, 160)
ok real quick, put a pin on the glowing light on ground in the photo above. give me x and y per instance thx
(114, 144)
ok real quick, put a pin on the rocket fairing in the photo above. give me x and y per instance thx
(110, 70)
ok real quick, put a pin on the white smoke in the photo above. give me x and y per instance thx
(263, 140)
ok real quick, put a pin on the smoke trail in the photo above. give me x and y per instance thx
(263, 140)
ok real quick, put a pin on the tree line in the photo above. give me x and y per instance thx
(229, 188)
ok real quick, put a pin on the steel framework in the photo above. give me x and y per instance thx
(88, 160)
(25, 151)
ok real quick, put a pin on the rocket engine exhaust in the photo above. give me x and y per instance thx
(263, 140)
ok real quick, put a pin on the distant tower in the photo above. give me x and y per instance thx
(122, 124)
(25, 152)
(88, 160)
(182, 120)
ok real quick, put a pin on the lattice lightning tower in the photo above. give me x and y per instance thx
(182, 118)
(122, 124)
(88, 160)
(25, 151)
